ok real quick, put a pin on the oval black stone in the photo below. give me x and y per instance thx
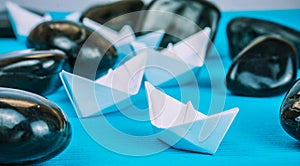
(197, 14)
(290, 111)
(32, 70)
(108, 14)
(75, 40)
(32, 129)
(266, 67)
(241, 31)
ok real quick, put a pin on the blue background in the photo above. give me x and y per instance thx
(255, 136)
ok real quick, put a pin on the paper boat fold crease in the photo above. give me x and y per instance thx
(111, 92)
(182, 127)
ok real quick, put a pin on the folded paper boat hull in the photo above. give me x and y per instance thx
(165, 71)
(88, 98)
(176, 65)
(111, 92)
(186, 137)
(126, 51)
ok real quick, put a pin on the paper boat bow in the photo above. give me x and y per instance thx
(183, 127)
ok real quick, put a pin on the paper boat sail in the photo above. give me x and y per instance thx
(177, 64)
(182, 127)
(23, 21)
(122, 40)
(111, 92)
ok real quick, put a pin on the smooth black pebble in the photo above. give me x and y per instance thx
(241, 31)
(266, 67)
(32, 129)
(36, 71)
(115, 15)
(290, 111)
(195, 16)
(92, 53)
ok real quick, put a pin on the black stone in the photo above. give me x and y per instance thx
(32, 70)
(78, 42)
(289, 111)
(6, 30)
(266, 67)
(197, 14)
(241, 31)
(113, 15)
(32, 128)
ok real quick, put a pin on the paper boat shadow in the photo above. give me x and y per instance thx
(182, 127)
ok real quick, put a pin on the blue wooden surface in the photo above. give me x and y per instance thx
(255, 136)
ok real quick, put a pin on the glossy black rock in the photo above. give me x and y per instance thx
(32, 70)
(109, 14)
(77, 41)
(289, 111)
(241, 31)
(32, 129)
(5, 25)
(266, 67)
(197, 14)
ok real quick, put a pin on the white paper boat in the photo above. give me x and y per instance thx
(183, 127)
(111, 92)
(22, 20)
(126, 34)
(178, 64)
(122, 40)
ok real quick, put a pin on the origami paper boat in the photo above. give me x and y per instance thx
(112, 92)
(122, 40)
(126, 34)
(183, 127)
(177, 64)
(22, 20)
